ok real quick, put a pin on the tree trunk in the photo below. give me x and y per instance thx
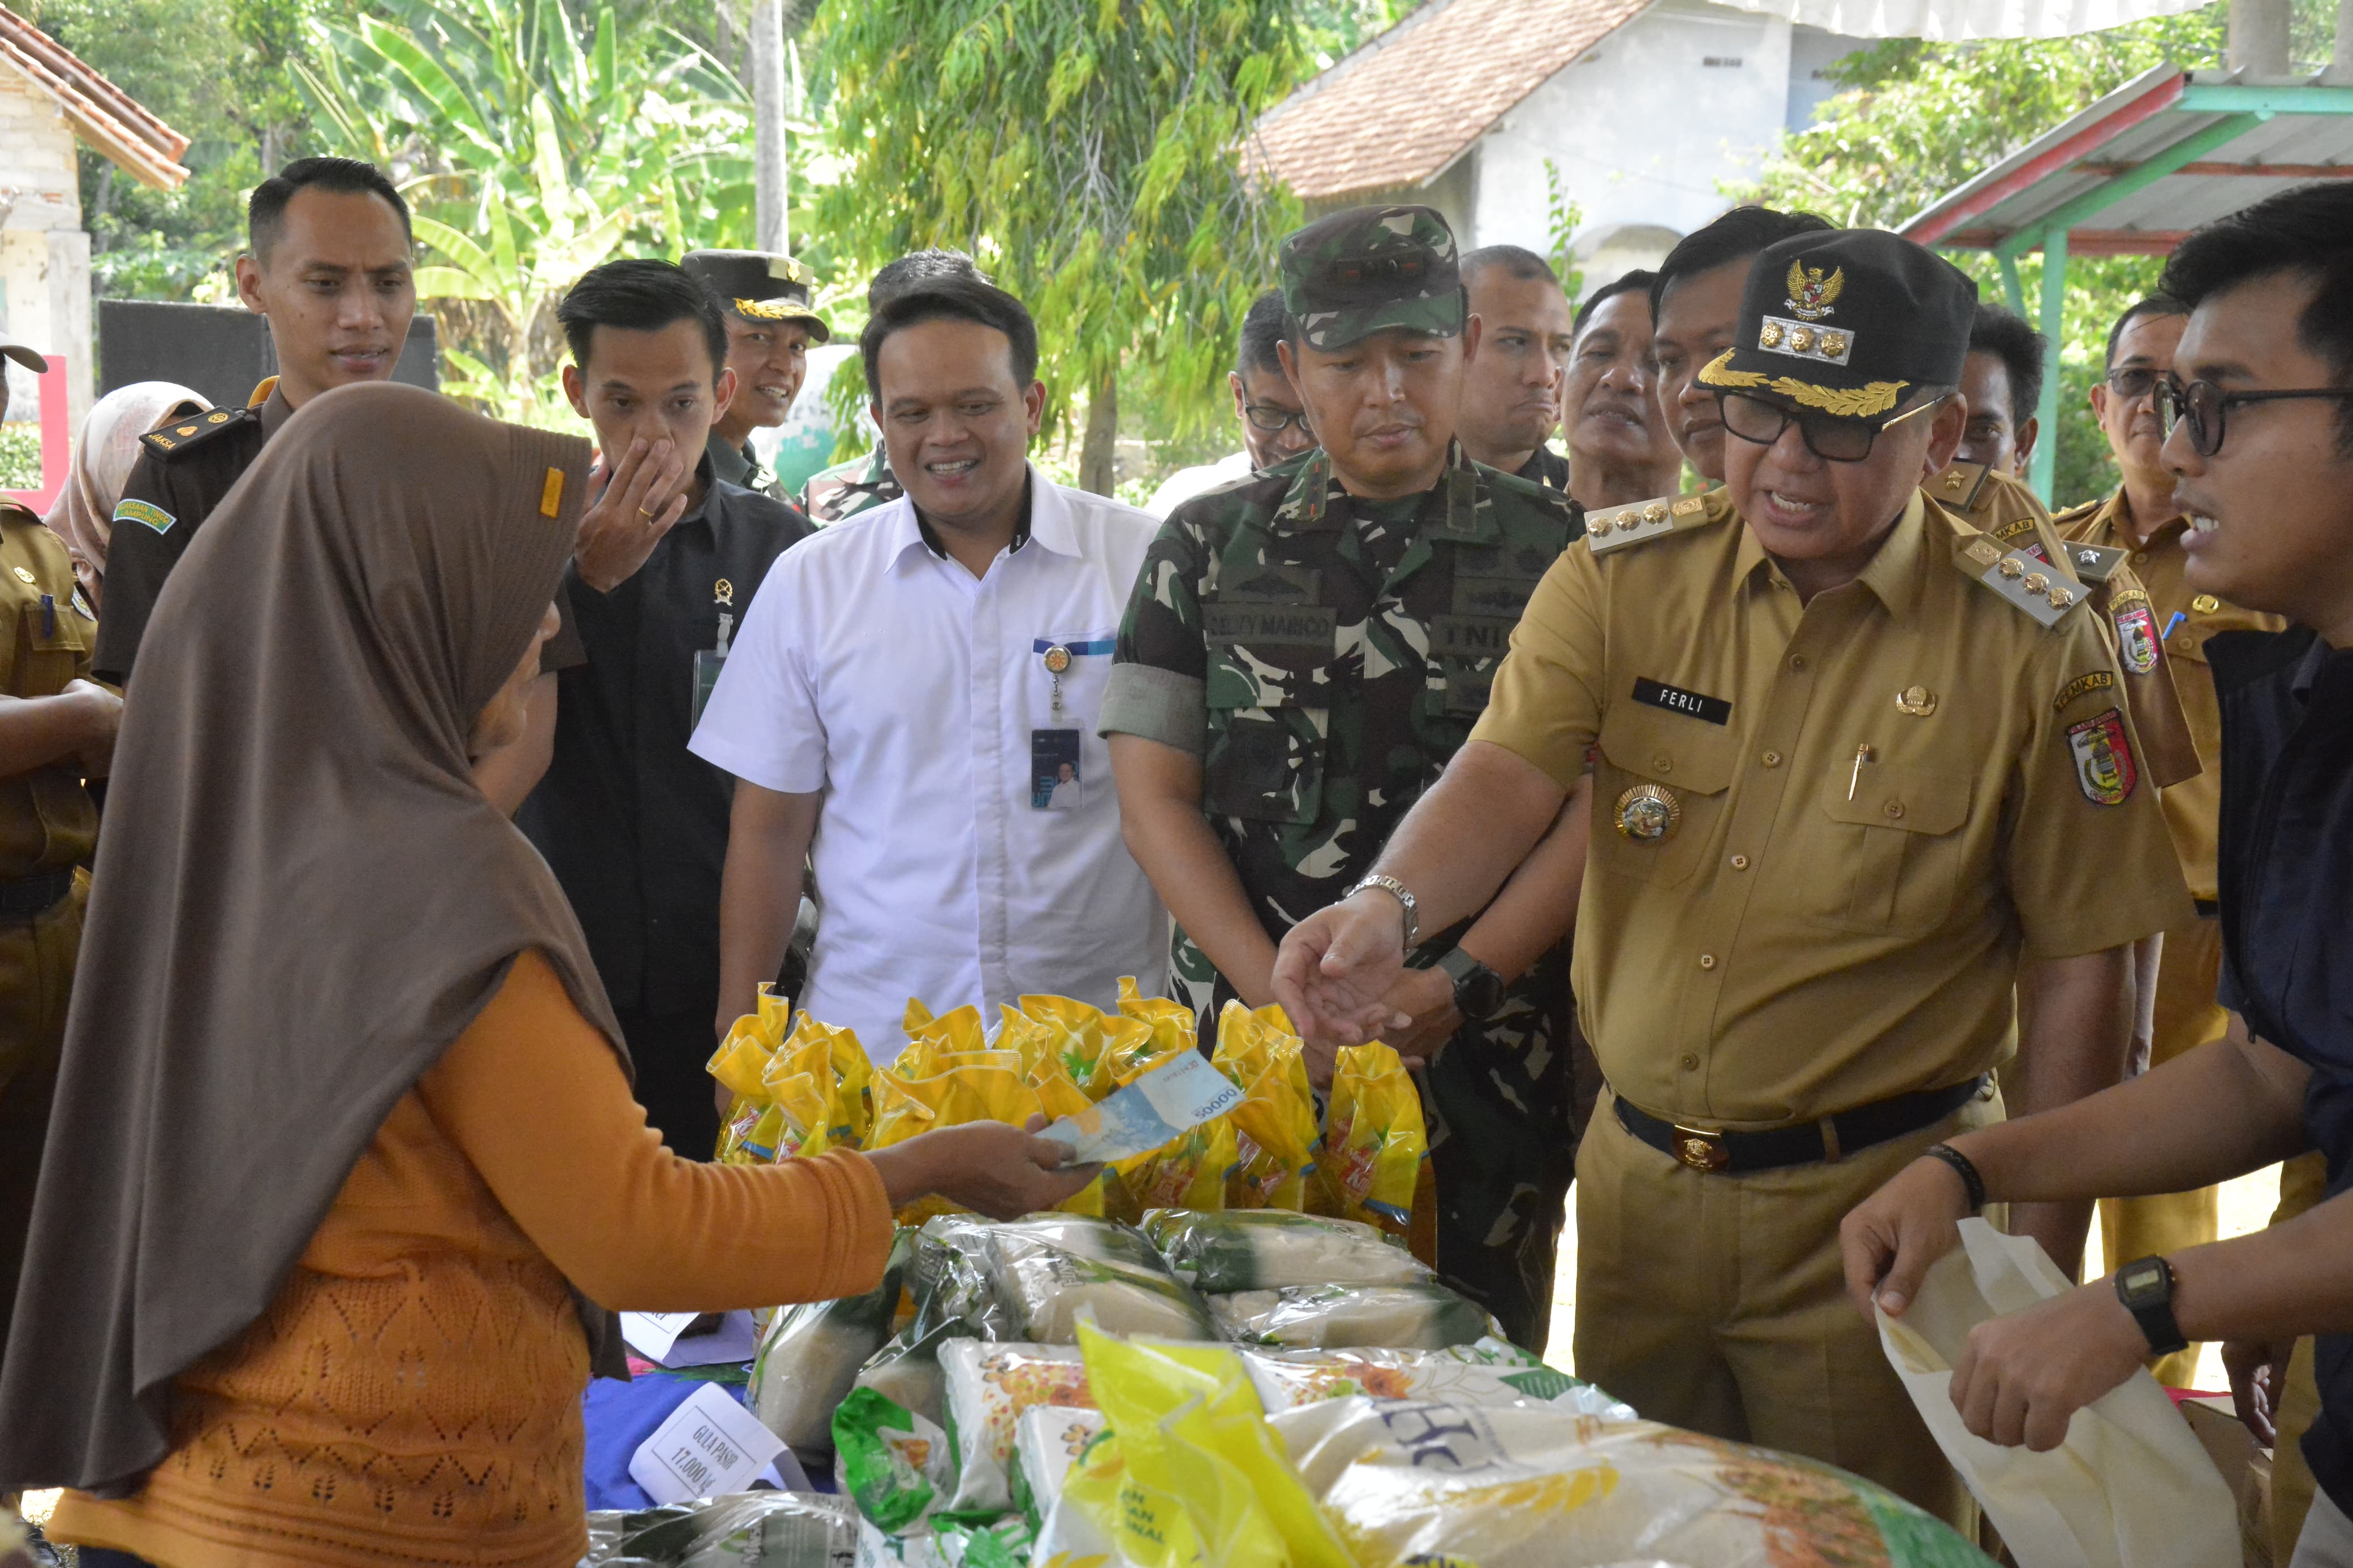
(2340, 70)
(2258, 37)
(770, 176)
(1103, 428)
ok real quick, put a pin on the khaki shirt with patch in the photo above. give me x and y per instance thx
(47, 818)
(2190, 806)
(1815, 934)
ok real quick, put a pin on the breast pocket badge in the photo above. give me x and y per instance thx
(1649, 814)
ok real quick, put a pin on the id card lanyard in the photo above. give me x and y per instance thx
(709, 661)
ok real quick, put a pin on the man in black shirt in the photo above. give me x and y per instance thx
(634, 825)
(2261, 444)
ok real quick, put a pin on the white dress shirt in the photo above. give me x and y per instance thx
(1186, 483)
(908, 694)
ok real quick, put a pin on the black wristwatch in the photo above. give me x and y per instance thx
(2146, 1287)
(1478, 990)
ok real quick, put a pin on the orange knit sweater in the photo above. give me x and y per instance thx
(413, 1394)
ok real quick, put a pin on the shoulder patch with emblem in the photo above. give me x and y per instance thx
(2027, 583)
(2084, 686)
(2102, 755)
(146, 512)
(171, 439)
(1614, 528)
(2137, 641)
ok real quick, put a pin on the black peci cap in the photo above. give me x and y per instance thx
(1850, 324)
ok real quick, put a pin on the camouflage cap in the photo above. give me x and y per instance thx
(1367, 269)
(759, 285)
(1851, 322)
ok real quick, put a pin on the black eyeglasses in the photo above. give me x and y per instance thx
(2135, 383)
(1270, 417)
(1831, 439)
(2201, 404)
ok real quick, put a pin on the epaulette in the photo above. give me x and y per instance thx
(1958, 486)
(1616, 527)
(171, 440)
(2080, 512)
(2025, 582)
(2096, 563)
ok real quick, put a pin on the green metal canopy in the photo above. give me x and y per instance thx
(2131, 175)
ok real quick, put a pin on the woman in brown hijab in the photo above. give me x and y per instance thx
(312, 1284)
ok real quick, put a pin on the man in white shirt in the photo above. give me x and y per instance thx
(910, 708)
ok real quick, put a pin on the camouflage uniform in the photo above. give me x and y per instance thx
(845, 489)
(1327, 655)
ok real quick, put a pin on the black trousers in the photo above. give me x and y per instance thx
(672, 1052)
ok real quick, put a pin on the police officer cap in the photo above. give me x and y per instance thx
(1851, 323)
(1368, 269)
(759, 285)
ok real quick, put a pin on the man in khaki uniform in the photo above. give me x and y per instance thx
(1856, 771)
(2165, 627)
(56, 729)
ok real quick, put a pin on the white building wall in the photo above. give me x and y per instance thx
(1642, 128)
(44, 254)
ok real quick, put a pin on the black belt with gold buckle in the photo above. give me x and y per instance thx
(1722, 1153)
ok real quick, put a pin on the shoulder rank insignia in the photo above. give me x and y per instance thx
(1614, 528)
(167, 440)
(1958, 486)
(2027, 583)
(2094, 563)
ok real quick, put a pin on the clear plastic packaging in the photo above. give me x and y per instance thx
(1049, 1269)
(1491, 1374)
(1266, 1249)
(1426, 1315)
(810, 1355)
(989, 1388)
(746, 1530)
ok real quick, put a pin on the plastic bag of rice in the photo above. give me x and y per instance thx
(1541, 1488)
(954, 1292)
(1491, 1375)
(1426, 1315)
(1266, 1249)
(1047, 1440)
(1048, 1270)
(889, 1459)
(989, 1387)
(810, 1355)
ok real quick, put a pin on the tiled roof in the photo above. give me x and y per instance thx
(104, 115)
(1403, 107)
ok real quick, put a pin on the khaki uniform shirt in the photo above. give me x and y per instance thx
(46, 819)
(1773, 931)
(2190, 806)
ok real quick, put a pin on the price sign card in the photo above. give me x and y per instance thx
(710, 1445)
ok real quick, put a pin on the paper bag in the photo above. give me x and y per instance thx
(2130, 1488)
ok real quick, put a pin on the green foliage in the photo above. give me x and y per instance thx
(1914, 120)
(20, 454)
(1563, 216)
(1085, 154)
(531, 149)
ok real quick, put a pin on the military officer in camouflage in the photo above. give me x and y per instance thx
(1305, 650)
(1868, 817)
(764, 298)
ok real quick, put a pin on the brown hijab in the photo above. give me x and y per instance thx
(300, 898)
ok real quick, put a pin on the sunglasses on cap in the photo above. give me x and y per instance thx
(2201, 404)
(1375, 280)
(1829, 438)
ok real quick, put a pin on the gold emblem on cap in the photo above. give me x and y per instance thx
(1769, 335)
(1834, 344)
(25, 576)
(1056, 660)
(1811, 295)
(723, 591)
(2011, 569)
(2205, 604)
(1649, 814)
(1801, 339)
(1917, 700)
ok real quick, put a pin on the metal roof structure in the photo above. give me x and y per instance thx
(2131, 175)
(104, 115)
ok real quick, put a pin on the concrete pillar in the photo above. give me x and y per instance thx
(2258, 37)
(770, 182)
(2340, 69)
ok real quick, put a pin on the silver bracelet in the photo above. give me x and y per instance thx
(1399, 891)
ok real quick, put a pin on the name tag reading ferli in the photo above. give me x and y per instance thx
(1675, 700)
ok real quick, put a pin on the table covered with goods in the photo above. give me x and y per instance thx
(1223, 1351)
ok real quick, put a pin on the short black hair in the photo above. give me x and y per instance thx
(1522, 263)
(640, 294)
(1267, 325)
(1640, 277)
(1742, 232)
(951, 298)
(265, 213)
(2155, 305)
(2019, 347)
(2307, 232)
(918, 267)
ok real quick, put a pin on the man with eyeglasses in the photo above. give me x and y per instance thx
(1304, 652)
(2169, 624)
(2260, 454)
(1274, 427)
(1866, 816)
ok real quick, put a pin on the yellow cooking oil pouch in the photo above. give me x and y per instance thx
(1200, 1477)
(1081, 1035)
(1173, 1023)
(1374, 1140)
(1190, 1173)
(971, 1086)
(1274, 1135)
(740, 1064)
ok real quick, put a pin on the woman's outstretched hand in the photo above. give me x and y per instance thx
(991, 1168)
